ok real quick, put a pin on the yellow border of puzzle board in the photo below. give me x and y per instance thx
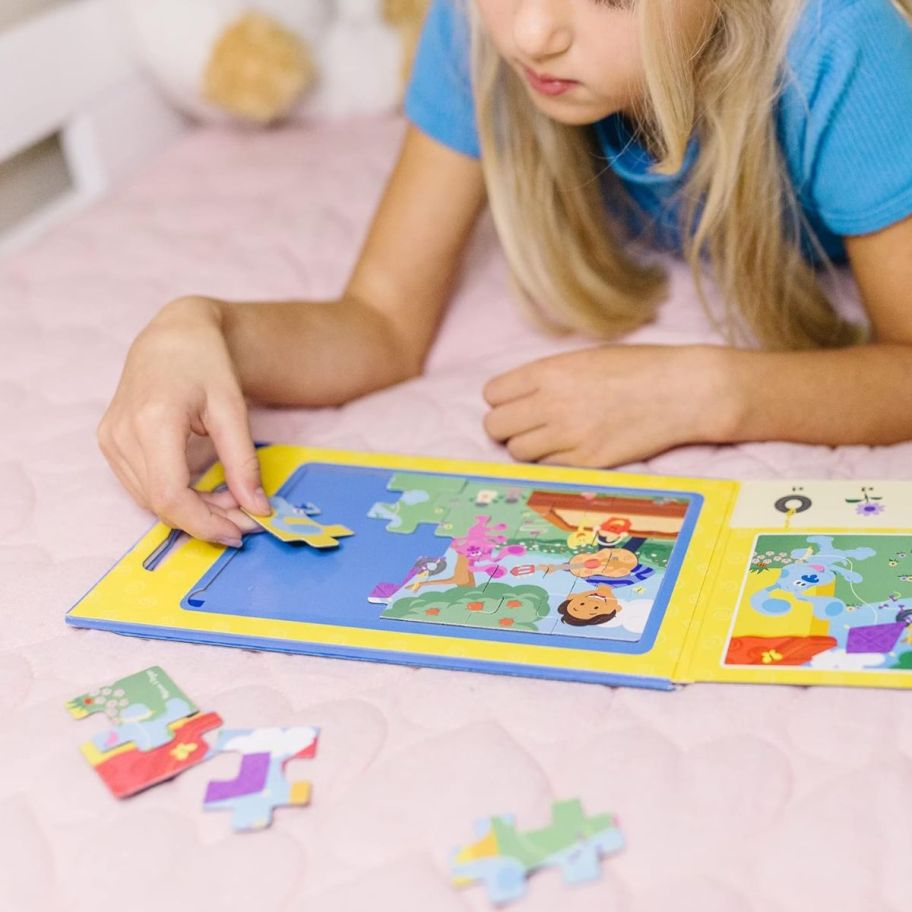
(129, 595)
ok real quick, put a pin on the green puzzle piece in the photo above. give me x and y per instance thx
(424, 499)
(495, 605)
(502, 856)
(146, 692)
(506, 504)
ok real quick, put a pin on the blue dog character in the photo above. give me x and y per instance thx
(809, 573)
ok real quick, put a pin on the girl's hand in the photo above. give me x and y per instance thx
(178, 379)
(611, 405)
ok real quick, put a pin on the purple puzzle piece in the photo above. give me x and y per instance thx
(251, 778)
(874, 638)
(384, 591)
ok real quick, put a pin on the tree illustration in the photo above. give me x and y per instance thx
(495, 605)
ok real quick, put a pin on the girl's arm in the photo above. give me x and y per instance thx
(302, 353)
(858, 395)
(190, 370)
(616, 404)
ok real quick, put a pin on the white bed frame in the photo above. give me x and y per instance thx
(72, 73)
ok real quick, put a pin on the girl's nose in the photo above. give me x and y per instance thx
(541, 28)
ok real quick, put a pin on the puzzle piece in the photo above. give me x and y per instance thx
(142, 706)
(152, 688)
(260, 785)
(495, 606)
(424, 499)
(484, 547)
(875, 637)
(502, 858)
(138, 728)
(478, 553)
(425, 569)
(289, 523)
(127, 770)
(503, 504)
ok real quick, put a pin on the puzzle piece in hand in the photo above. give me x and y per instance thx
(127, 770)
(289, 523)
(141, 706)
(260, 785)
(502, 858)
(424, 499)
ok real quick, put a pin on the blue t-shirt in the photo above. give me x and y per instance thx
(844, 119)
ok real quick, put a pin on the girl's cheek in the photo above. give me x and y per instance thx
(496, 19)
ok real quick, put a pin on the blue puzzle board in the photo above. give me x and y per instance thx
(271, 579)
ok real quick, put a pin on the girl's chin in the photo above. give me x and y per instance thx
(573, 114)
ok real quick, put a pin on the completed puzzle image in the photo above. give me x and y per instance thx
(527, 558)
(831, 602)
(479, 557)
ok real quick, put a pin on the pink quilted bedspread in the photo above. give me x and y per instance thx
(732, 798)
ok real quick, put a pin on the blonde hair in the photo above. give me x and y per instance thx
(568, 253)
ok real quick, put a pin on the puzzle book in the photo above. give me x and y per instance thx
(571, 574)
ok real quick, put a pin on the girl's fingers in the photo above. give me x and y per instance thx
(586, 458)
(512, 419)
(224, 502)
(168, 486)
(566, 458)
(119, 460)
(510, 386)
(535, 445)
(127, 477)
(226, 424)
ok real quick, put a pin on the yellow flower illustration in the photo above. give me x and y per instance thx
(182, 750)
(770, 656)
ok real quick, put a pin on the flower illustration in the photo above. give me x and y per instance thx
(182, 750)
(770, 656)
(869, 509)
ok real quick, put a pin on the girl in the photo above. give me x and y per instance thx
(761, 139)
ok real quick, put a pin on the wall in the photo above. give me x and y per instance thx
(38, 175)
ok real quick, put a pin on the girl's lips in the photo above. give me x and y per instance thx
(547, 85)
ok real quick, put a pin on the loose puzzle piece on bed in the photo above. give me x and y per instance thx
(127, 770)
(157, 731)
(260, 785)
(502, 857)
(141, 707)
(289, 523)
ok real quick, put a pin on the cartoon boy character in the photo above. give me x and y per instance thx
(597, 606)
(610, 532)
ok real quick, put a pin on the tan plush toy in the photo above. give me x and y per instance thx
(258, 69)
(258, 62)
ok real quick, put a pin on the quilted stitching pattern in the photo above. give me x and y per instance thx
(732, 798)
